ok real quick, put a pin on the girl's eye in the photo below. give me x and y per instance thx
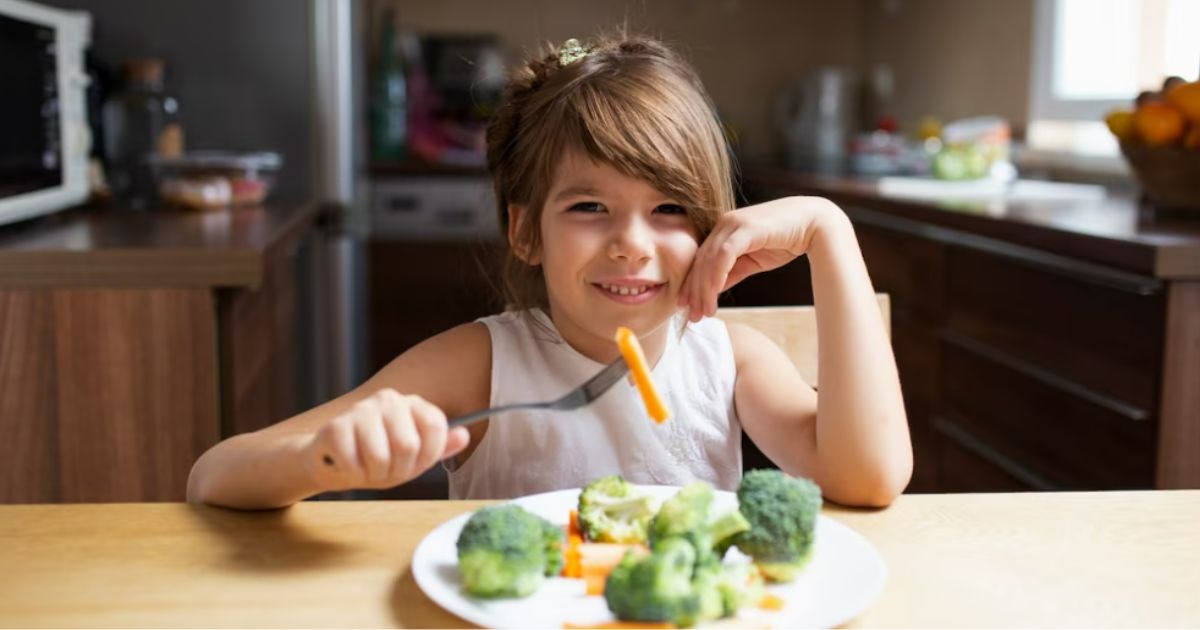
(671, 208)
(586, 206)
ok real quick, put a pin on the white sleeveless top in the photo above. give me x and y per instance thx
(526, 452)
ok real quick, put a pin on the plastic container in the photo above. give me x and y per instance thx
(216, 179)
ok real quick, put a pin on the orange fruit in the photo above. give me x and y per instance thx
(1120, 123)
(1186, 98)
(1158, 124)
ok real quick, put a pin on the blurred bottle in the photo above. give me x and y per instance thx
(140, 121)
(389, 98)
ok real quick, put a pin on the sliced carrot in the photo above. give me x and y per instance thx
(594, 561)
(595, 582)
(572, 565)
(597, 560)
(771, 602)
(573, 524)
(605, 556)
(628, 344)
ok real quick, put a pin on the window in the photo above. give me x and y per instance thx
(1091, 56)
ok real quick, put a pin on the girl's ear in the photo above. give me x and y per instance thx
(520, 246)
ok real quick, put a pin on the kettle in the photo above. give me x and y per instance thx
(815, 117)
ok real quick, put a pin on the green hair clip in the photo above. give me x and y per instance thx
(570, 52)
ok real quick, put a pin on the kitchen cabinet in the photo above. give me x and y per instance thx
(130, 342)
(1041, 346)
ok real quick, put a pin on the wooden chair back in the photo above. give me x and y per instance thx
(794, 329)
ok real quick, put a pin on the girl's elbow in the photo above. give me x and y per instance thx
(196, 486)
(891, 479)
(886, 491)
(879, 488)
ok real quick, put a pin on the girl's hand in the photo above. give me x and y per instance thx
(752, 240)
(381, 442)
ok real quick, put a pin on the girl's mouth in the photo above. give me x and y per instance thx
(629, 294)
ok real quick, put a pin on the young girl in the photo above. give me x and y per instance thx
(613, 181)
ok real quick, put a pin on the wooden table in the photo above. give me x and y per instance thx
(996, 560)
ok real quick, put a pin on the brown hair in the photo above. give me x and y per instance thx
(631, 103)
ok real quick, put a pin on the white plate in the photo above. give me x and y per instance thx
(846, 573)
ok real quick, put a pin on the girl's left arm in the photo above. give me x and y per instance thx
(852, 437)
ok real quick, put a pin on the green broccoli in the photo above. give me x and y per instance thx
(506, 551)
(552, 542)
(782, 512)
(661, 587)
(739, 585)
(706, 585)
(613, 510)
(688, 515)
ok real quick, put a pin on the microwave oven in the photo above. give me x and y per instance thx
(44, 136)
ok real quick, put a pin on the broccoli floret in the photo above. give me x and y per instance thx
(552, 541)
(739, 585)
(507, 552)
(688, 515)
(683, 514)
(706, 584)
(724, 530)
(782, 512)
(661, 587)
(613, 510)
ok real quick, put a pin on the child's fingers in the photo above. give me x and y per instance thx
(743, 268)
(402, 436)
(456, 440)
(721, 255)
(372, 441)
(431, 423)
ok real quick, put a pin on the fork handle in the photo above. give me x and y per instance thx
(483, 414)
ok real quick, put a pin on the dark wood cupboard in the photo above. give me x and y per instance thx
(1025, 368)
(132, 342)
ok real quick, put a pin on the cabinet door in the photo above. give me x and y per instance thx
(1054, 368)
(1073, 324)
(1049, 436)
(421, 288)
(267, 342)
(108, 394)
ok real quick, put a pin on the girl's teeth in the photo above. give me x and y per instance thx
(625, 290)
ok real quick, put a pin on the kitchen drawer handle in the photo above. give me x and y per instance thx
(1043, 376)
(983, 450)
(1078, 270)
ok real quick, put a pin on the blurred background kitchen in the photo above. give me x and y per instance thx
(283, 195)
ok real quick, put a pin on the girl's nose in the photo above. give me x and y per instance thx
(631, 240)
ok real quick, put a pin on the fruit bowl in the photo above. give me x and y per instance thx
(1160, 139)
(1169, 176)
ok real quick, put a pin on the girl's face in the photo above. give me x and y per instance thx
(615, 252)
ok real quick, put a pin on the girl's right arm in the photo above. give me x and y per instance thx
(383, 433)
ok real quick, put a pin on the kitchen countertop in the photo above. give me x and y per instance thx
(1113, 232)
(996, 560)
(111, 247)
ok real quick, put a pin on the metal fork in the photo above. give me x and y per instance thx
(574, 399)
